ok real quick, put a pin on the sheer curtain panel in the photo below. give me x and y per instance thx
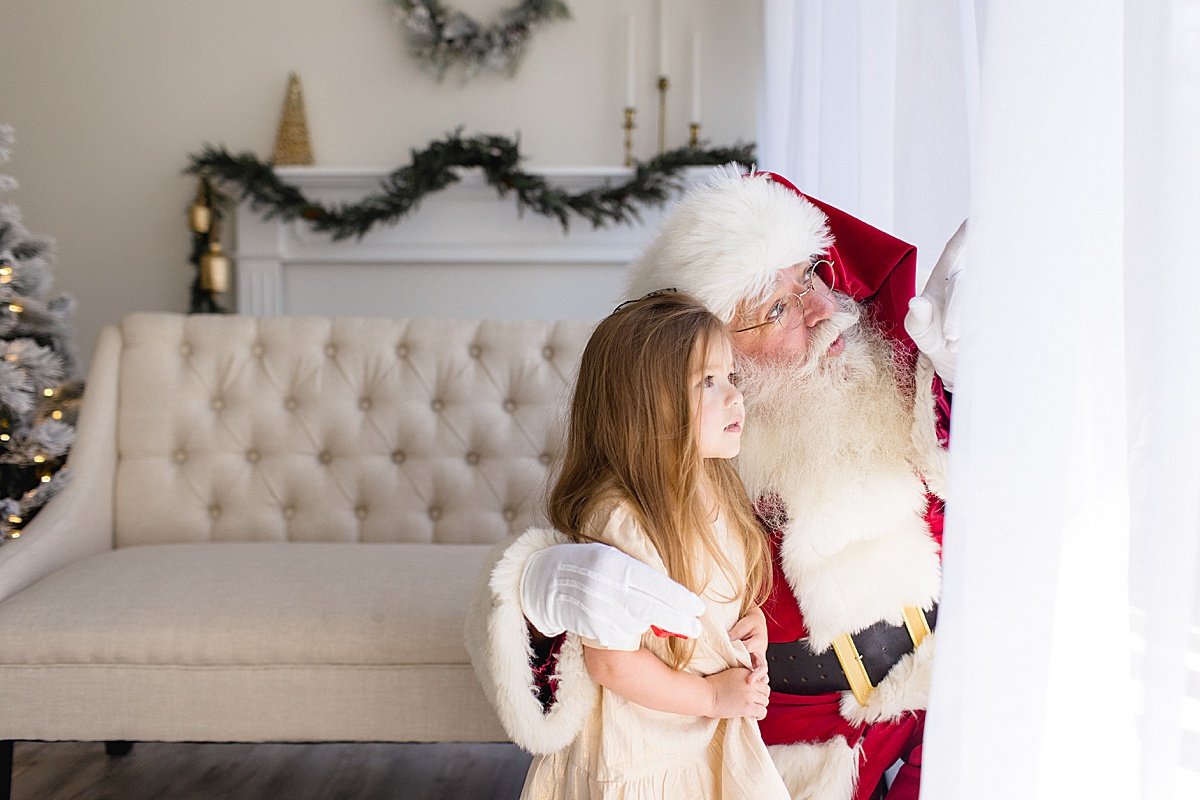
(1069, 632)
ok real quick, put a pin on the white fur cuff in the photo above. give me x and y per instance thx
(497, 638)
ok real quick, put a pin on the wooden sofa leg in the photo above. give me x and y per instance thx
(6, 756)
(118, 748)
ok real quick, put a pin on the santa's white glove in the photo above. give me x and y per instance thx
(600, 593)
(932, 319)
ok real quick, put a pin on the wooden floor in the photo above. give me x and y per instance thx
(158, 771)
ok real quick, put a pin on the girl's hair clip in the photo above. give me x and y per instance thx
(646, 296)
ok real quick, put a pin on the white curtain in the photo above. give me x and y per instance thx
(866, 105)
(1069, 635)
(1162, 268)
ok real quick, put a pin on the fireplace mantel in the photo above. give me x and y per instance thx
(464, 253)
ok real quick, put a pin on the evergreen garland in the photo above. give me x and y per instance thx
(434, 169)
(439, 37)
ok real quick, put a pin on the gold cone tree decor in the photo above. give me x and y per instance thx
(292, 146)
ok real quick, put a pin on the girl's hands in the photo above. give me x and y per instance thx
(739, 692)
(752, 631)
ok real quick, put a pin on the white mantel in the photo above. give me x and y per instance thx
(465, 253)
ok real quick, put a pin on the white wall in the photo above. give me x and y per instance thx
(108, 100)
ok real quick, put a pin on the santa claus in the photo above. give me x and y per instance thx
(844, 453)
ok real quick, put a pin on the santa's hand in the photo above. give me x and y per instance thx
(932, 319)
(600, 593)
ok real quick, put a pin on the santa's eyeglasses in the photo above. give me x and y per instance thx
(788, 311)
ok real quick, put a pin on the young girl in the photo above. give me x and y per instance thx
(654, 420)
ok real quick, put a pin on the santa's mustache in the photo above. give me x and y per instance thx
(826, 332)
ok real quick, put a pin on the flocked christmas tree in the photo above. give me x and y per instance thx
(39, 395)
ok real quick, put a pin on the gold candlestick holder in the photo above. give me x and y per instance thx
(663, 85)
(630, 112)
(694, 135)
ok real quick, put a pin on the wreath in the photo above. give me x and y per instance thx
(440, 37)
(436, 167)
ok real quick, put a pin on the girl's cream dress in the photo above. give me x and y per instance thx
(629, 752)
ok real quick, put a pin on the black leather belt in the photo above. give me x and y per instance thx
(795, 669)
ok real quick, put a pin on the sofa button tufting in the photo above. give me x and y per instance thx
(331, 350)
(289, 511)
(218, 404)
(365, 404)
(475, 350)
(185, 350)
(325, 457)
(290, 403)
(510, 406)
(510, 514)
(545, 458)
(402, 351)
(253, 456)
(360, 512)
(180, 456)
(214, 511)
(437, 405)
(435, 513)
(398, 456)
(472, 458)
(257, 350)
(547, 352)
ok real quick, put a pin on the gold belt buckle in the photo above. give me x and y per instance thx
(918, 626)
(852, 662)
(852, 665)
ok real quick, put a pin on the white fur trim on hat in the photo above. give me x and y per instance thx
(726, 240)
(497, 639)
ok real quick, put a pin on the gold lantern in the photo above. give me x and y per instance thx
(214, 265)
(199, 213)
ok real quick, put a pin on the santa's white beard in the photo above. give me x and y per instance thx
(831, 436)
(819, 418)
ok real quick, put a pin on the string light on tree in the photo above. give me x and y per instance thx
(39, 396)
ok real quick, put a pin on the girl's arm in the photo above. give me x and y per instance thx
(640, 677)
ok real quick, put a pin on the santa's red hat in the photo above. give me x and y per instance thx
(727, 239)
(729, 236)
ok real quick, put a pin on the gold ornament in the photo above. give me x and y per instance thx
(214, 269)
(292, 146)
(199, 214)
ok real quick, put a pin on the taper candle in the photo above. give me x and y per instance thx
(630, 62)
(695, 76)
(662, 37)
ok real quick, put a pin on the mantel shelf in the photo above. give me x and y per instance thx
(466, 232)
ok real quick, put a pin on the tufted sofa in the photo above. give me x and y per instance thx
(273, 528)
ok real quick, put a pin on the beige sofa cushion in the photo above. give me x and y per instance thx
(350, 430)
(248, 604)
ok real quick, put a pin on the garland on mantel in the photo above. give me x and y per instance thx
(434, 168)
(439, 36)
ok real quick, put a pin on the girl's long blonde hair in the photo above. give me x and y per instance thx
(633, 437)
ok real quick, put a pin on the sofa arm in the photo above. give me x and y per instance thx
(78, 521)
